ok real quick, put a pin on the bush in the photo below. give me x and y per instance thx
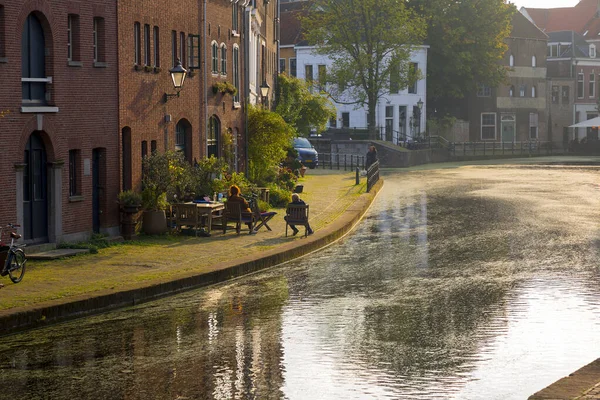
(287, 179)
(279, 197)
(130, 198)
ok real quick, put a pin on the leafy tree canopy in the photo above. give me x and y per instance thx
(268, 138)
(368, 41)
(300, 108)
(467, 44)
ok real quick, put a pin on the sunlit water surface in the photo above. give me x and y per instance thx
(469, 283)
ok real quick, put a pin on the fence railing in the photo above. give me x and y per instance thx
(347, 162)
(372, 175)
(458, 149)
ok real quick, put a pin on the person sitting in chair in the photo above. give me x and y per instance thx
(235, 196)
(297, 200)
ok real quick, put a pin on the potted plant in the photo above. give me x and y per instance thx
(154, 219)
(130, 203)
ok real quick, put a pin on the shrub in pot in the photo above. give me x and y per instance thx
(154, 219)
(130, 203)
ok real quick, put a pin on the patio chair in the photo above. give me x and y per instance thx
(296, 214)
(233, 213)
(187, 215)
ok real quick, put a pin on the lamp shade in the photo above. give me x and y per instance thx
(264, 89)
(178, 74)
(420, 104)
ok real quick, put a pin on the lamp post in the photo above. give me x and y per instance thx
(420, 106)
(178, 74)
(264, 92)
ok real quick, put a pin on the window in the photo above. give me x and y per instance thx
(333, 122)
(174, 48)
(511, 91)
(74, 168)
(281, 65)
(554, 94)
(136, 44)
(153, 146)
(522, 90)
(156, 37)
(293, 71)
(308, 73)
(533, 61)
(33, 62)
(223, 59)
(484, 91)
(234, 18)
(553, 50)
(389, 122)
(144, 154)
(236, 72)
(99, 41)
(345, 119)
(402, 120)
(2, 33)
(73, 38)
(182, 49)
(414, 70)
(592, 85)
(147, 57)
(592, 51)
(564, 94)
(394, 78)
(322, 70)
(488, 126)
(194, 51)
(533, 91)
(580, 85)
(214, 127)
(215, 58)
(511, 61)
(533, 126)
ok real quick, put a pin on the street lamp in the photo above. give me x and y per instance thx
(264, 91)
(178, 74)
(420, 104)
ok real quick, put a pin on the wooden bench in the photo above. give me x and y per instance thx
(296, 214)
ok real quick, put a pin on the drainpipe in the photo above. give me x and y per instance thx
(246, 38)
(204, 85)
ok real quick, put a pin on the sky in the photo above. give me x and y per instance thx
(544, 3)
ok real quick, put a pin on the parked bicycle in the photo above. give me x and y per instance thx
(12, 257)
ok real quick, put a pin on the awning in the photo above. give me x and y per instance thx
(590, 123)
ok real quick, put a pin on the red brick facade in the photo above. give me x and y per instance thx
(77, 112)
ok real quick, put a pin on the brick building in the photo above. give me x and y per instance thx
(58, 99)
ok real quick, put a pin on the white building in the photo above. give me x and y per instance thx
(398, 114)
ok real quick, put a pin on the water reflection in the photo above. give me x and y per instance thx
(448, 289)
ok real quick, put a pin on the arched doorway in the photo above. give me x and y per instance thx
(214, 129)
(35, 190)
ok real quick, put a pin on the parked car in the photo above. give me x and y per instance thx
(307, 154)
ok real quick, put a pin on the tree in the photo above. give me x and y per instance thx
(369, 42)
(467, 44)
(300, 108)
(268, 138)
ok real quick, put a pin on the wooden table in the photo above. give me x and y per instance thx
(209, 211)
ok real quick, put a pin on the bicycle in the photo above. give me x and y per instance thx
(13, 256)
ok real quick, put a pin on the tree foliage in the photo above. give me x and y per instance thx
(467, 44)
(300, 108)
(369, 41)
(268, 138)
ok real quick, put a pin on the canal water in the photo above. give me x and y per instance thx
(460, 283)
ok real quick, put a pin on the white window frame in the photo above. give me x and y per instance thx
(533, 61)
(487, 126)
(533, 91)
(592, 51)
(522, 90)
(215, 57)
(484, 90)
(236, 72)
(592, 85)
(511, 61)
(533, 126)
(223, 59)
(580, 80)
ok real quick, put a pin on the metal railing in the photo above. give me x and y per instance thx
(532, 147)
(347, 162)
(372, 175)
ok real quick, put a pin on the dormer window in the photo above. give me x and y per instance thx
(592, 51)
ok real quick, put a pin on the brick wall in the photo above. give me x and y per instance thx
(86, 98)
